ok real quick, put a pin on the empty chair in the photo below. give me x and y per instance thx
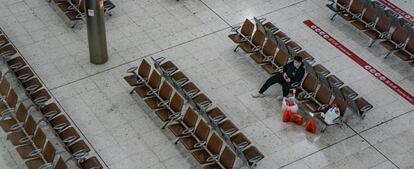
(348, 91)
(50, 111)
(39, 140)
(334, 80)
(32, 85)
(11, 124)
(171, 111)
(151, 87)
(16, 63)
(255, 44)
(228, 128)
(240, 141)
(59, 123)
(76, 14)
(91, 163)
(321, 69)
(108, 6)
(245, 32)
(139, 74)
(253, 155)
(397, 39)
(190, 89)
(368, 18)
(216, 115)
(69, 135)
(60, 164)
(211, 152)
(179, 78)
(323, 96)
(354, 11)
(227, 159)
(20, 137)
(293, 46)
(406, 53)
(40, 97)
(306, 56)
(67, 7)
(7, 50)
(168, 67)
(359, 105)
(341, 6)
(282, 36)
(24, 74)
(79, 149)
(278, 62)
(202, 102)
(267, 53)
(48, 153)
(198, 138)
(380, 30)
(164, 94)
(186, 125)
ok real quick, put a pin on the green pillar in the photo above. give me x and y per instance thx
(96, 31)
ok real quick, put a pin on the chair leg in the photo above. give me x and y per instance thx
(386, 56)
(176, 141)
(235, 49)
(372, 43)
(333, 16)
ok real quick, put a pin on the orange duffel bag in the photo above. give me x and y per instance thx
(286, 115)
(311, 126)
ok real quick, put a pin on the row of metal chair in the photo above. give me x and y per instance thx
(74, 10)
(191, 130)
(41, 99)
(216, 118)
(393, 33)
(318, 87)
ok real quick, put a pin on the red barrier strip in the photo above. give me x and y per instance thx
(397, 10)
(361, 62)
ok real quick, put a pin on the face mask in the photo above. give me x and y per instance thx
(297, 64)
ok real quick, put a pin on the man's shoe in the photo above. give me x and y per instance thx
(258, 95)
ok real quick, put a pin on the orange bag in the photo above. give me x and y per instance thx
(286, 115)
(298, 119)
(311, 126)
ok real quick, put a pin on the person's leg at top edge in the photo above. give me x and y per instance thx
(269, 82)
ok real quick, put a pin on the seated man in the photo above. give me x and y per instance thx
(292, 72)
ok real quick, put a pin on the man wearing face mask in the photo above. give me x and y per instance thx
(292, 72)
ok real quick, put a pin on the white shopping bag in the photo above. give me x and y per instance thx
(331, 115)
(294, 108)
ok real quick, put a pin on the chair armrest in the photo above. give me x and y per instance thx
(188, 131)
(16, 66)
(32, 88)
(200, 144)
(159, 60)
(132, 70)
(212, 158)
(163, 103)
(35, 153)
(70, 139)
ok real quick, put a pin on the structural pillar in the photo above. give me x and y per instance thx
(96, 31)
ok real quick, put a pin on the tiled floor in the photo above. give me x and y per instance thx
(193, 34)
